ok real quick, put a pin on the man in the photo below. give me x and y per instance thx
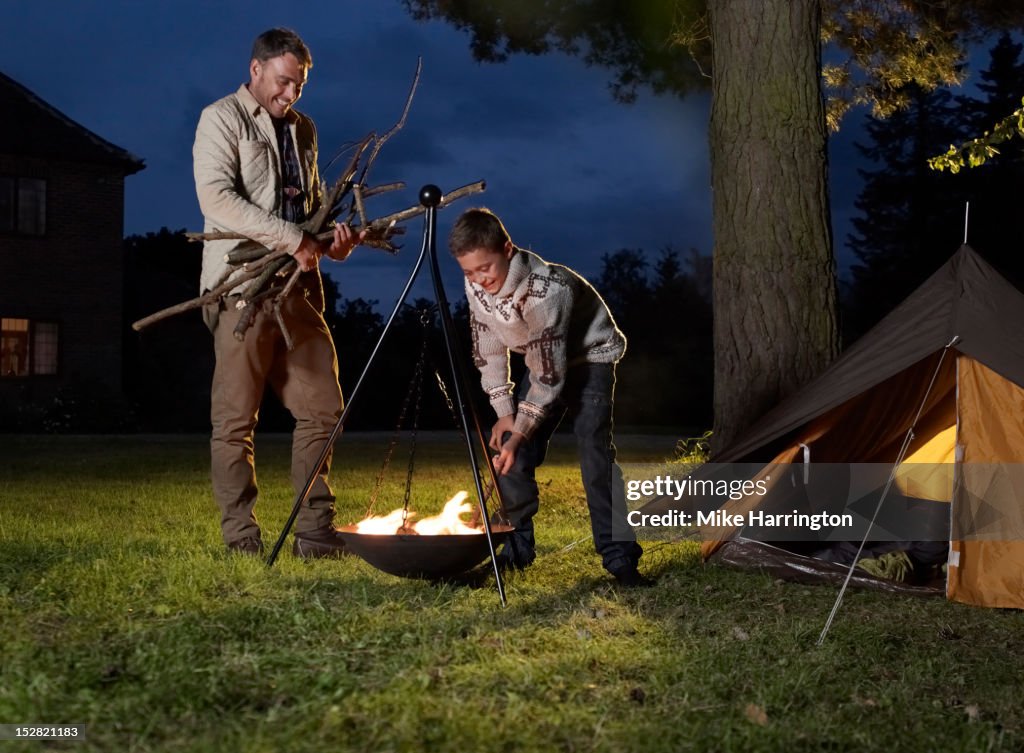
(255, 168)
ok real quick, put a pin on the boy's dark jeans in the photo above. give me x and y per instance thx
(587, 400)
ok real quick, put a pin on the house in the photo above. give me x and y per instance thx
(61, 229)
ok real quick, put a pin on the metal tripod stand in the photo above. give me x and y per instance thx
(430, 197)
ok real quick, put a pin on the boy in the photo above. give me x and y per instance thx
(547, 312)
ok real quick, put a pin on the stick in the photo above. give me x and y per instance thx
(357, 197)
(208, 297)
(253, 266)
(375, 226)
(398, 125)
(385, 188)
(280, 323)
(316, 223)
(254, 292)
(249, 312)
(383, 223)
(378, 225)
(279, 301)
(245, 253)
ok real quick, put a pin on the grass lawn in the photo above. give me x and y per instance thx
(119, 609)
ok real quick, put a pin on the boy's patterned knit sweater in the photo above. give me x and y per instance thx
(551, 315)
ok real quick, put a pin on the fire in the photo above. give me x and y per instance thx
(449, 522)
(381, 525)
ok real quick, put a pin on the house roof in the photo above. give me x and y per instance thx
(32, 127)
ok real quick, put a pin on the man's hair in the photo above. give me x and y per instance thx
(477, 228)
(276, 42)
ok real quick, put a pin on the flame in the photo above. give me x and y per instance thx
(449, 522)
(381, 525)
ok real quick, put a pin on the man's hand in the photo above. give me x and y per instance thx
(308, 254)
(345, 239)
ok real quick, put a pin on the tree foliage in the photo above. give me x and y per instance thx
(912, 218)
(1001, 98)
(631, 39)
(885, 50)
(877, 48)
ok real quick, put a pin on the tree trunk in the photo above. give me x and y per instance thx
(774, 281)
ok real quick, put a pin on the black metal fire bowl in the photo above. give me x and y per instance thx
(429, 557)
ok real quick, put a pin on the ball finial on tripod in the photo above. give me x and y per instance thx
(430, 195)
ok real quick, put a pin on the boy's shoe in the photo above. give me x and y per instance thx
(323, 542)
(630, 577)
(250, 546)
(515, 554)
(506, 561)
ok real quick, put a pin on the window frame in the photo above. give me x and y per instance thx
(16, 228)
(32, 334)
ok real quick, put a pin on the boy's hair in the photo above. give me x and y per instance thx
(477, 228)
(276, 42)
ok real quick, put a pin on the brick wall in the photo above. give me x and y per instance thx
(73, 273)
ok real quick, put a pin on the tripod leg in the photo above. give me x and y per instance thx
(333, 437)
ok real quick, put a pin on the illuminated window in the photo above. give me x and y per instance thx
(27, 348)
(22, 205)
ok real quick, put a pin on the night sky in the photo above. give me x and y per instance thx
(574, 174)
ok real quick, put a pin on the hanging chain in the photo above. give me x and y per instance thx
(415, 384)
(416, 391)
(489, 488)
(447, 398)
(425, 318)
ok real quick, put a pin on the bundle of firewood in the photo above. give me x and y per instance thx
(273, 274)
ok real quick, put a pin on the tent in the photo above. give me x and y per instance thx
(948, 361)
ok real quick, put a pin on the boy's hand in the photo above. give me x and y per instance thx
(503, 424)
(506, 457)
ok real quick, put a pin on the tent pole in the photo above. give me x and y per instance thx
(967, 214)
(907, 439)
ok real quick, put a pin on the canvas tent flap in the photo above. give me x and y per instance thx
(715, 537)
(987, 564)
